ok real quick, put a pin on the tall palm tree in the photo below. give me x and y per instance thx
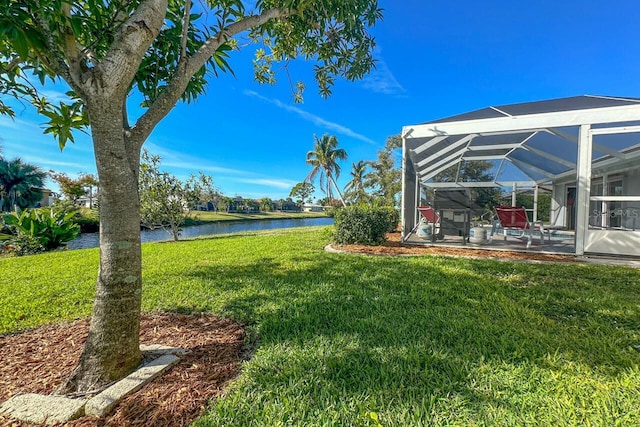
(354, 190)
(324, 160)
(20, 184)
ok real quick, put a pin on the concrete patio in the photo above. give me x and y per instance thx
(561, 243)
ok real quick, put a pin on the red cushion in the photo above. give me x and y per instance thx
(512, 216)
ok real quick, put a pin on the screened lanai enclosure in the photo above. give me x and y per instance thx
(583, 152)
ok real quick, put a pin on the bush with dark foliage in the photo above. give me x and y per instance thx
(366, 225)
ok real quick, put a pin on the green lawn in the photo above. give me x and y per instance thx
(341, 340)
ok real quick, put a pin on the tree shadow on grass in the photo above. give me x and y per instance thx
(421, 329)
(363, 294)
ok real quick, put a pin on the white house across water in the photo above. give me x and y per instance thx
(586, 149)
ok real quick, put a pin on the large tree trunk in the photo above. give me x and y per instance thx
(337, 189)
(112, 347)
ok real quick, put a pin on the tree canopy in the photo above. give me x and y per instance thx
(73, 189)
(164, 51)
(473, 171)
(302, 192)
(20, 184)
(324, 163)
(165, 200)
(355, 191)
(385, 176)
(93, 44)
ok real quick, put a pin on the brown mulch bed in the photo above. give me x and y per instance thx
(36, 361)
(393, 247)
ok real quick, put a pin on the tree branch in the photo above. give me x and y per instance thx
(11, 65)
(53, 58)
(125, 116)
(185, 30)
(210, 46)
(69, 43)
(116, 71)
(176, 87)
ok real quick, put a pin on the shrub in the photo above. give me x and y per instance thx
(363, 224)
(38, 230)
(87, 219)
(393, 218)
(24, 245)
(4, 238)
(331, 211)
(65, 206)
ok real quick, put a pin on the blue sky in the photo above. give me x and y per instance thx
(435, 59)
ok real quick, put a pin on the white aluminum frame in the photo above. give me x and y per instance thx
(464, 131)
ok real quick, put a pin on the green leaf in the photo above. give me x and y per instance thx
(20, 44)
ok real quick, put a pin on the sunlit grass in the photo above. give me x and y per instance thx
(347, 339)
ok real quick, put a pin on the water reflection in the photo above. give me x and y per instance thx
(92, 240)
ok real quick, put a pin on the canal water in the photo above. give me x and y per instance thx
(92, 240)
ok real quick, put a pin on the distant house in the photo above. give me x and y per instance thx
(203, 206)
(240, 205)
(252, 206)
(47, 198)
(308, 207)
(236, 204)
(86, 201)
(289, 206)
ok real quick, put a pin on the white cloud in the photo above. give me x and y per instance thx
(269, 182)
(318, 121)
(18, 124)
(45, 163)
(174, 159)
(198, 166)
(382, 80)
(24, 138)
(256, 195)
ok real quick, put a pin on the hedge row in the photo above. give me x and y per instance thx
(364, 225)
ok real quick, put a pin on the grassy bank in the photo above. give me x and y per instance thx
(201, 217)
(345, 339)
(90, 223)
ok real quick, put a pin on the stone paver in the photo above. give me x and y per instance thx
(41, 409)
(159, 349)
(103, 402)
(52, 409)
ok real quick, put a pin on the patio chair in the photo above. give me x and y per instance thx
(433, 221)
(515, 218)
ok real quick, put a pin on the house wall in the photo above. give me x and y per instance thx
(558, 215)
(631, 210)
(628, 211)
(47, 199)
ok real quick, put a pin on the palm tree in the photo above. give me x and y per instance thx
(20, 184)
(324, 160)
(266, 204)
(354, 189)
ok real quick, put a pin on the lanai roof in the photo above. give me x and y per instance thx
(532, 142)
